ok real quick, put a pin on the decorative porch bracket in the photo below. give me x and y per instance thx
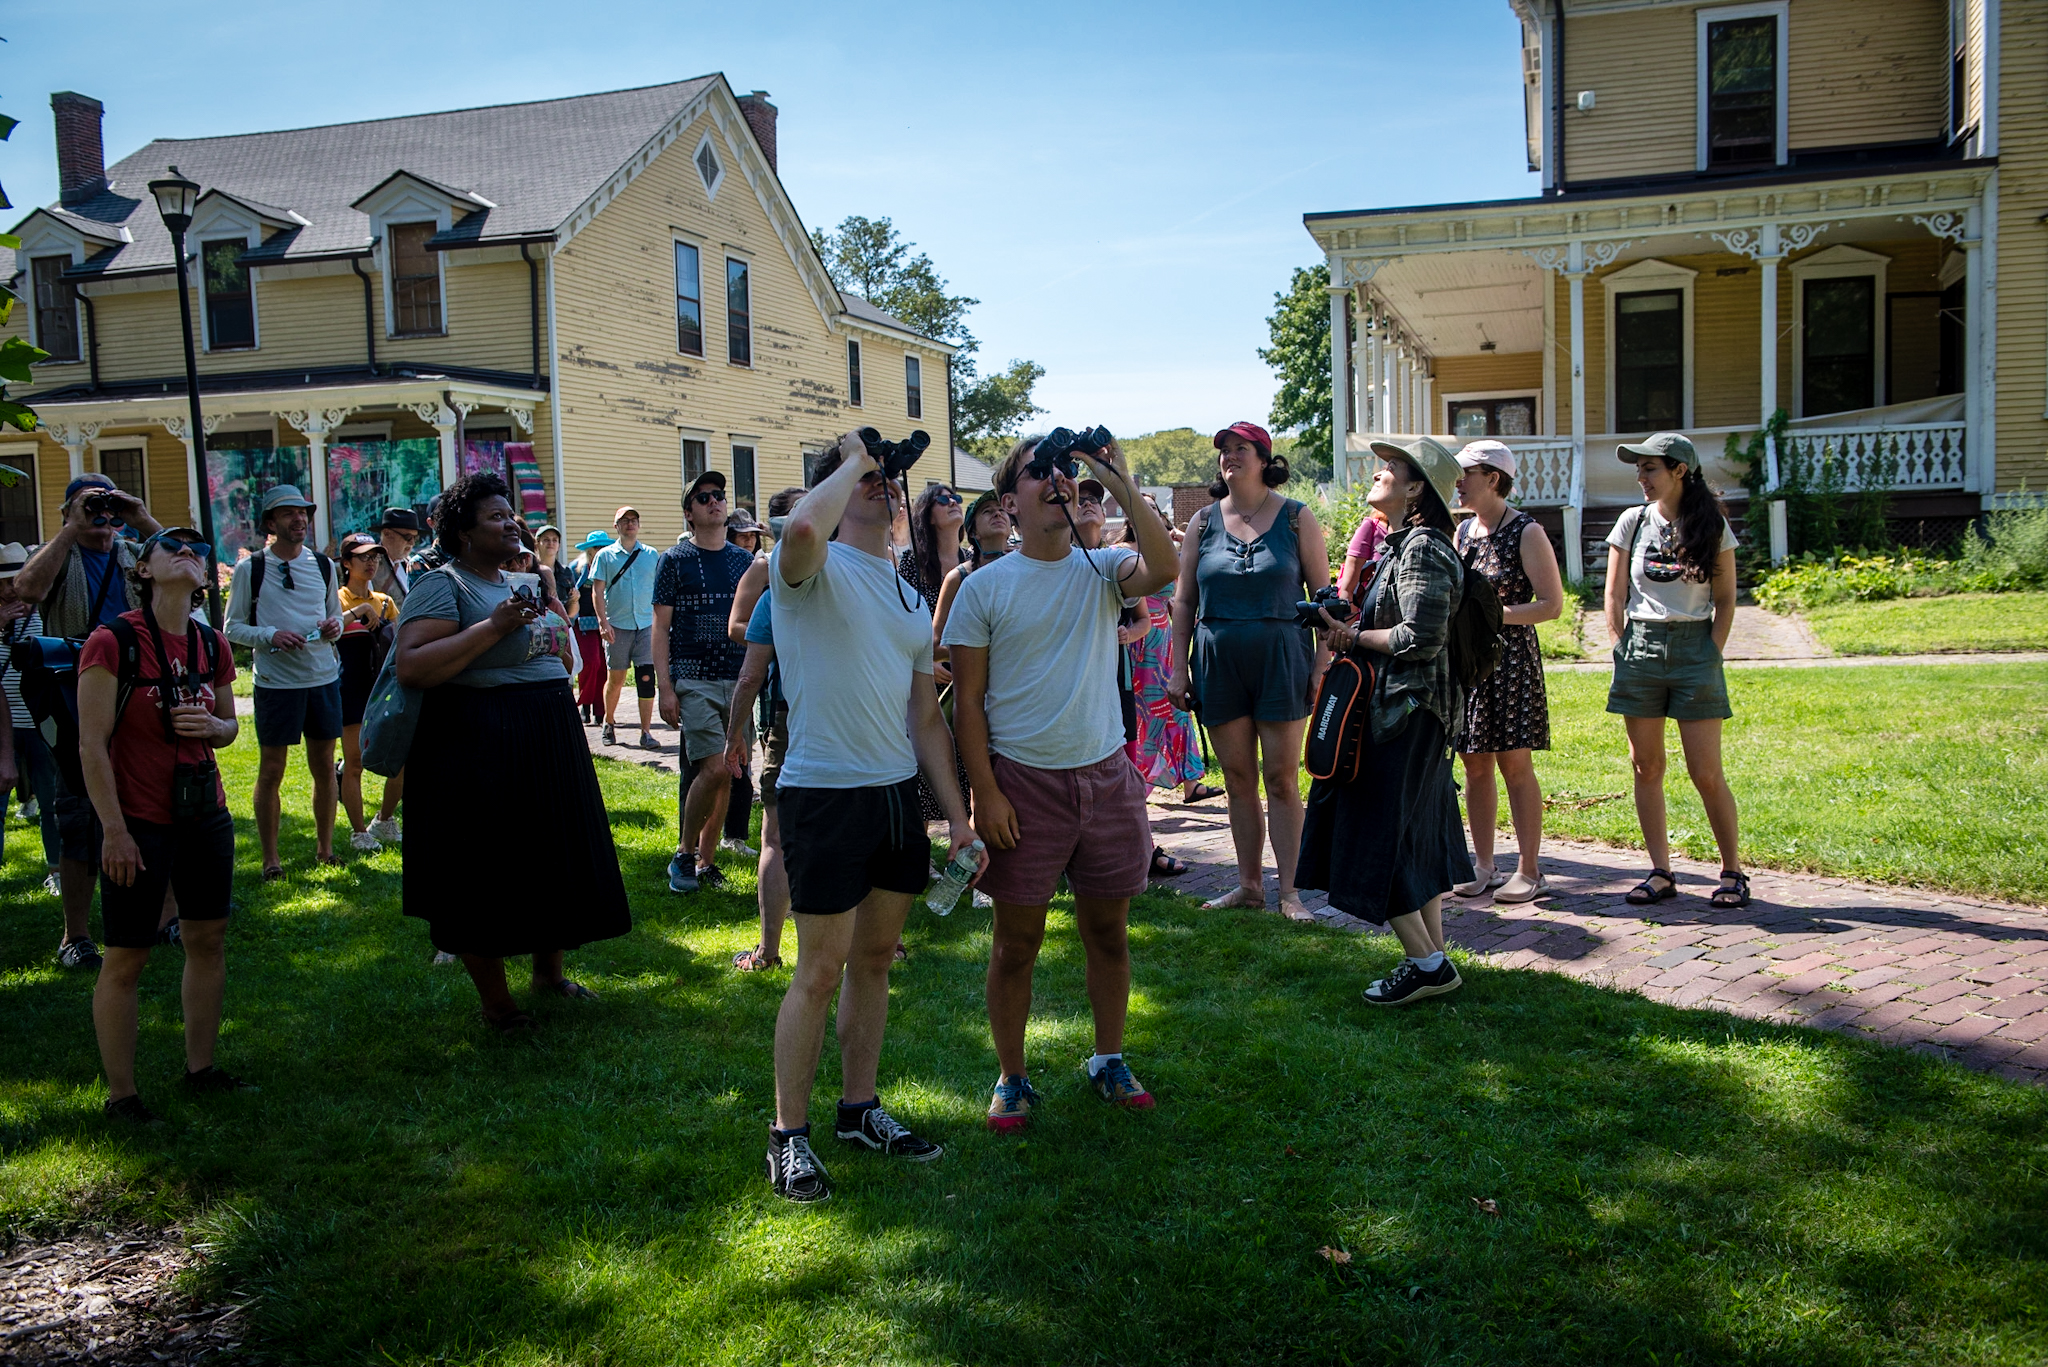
(180, 426)
(317, 424)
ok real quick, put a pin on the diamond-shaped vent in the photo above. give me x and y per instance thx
(707, 166)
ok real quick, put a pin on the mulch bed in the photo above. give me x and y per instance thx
(108, 1297)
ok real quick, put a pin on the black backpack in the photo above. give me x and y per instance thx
(1476, 641)
(49, 687)
(256, 579)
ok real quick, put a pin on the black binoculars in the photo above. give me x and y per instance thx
(1055, 450)
(895, 457)
(1325, 597)
(102, 509)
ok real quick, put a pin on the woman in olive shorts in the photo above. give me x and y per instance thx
(1670, 604)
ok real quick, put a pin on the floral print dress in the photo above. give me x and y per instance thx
(1509, 710)
(1165, 751)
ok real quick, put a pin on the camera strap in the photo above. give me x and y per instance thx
(168, 687)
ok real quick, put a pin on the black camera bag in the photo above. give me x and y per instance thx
(1336, 728)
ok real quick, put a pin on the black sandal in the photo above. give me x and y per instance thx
(1203, 792)
(1165, 865)
(1728, 899)
(511, 1023)
(1644, 893)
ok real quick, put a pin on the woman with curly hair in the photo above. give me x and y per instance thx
(1670, 605)
(498, 724)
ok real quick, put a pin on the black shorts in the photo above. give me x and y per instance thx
(285, 715)
(840, 844)
(195, 859)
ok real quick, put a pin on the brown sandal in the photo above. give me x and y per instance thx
(754, 960)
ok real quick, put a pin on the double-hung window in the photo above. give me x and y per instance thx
(739, 313)
(415, 281)
(56, 308)
(853, 372)
(1742, 86)
(913, 387)
(689, 302)
(230, 308)
(1649, 361)
(1838, 332)
(743, 476)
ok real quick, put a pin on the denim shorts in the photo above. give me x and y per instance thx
(1669, 669)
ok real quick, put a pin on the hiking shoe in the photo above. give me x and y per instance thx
(213, 1078)
(131, 1109)
(794, 1171)
(79, 954)
(738, 846)
(1412, 982)
(1009, 1110)
(648, 742)
(878, 1130)
(364, 841)
(680, 876)
(172, 934)
(387, 830)
(1114, 1083)
(607, 734)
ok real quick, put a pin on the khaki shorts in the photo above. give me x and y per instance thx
(776, 743)
(702, 708)
(1669, 669)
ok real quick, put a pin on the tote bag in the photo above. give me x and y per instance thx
(392, 714)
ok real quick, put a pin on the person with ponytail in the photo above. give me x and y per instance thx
(1670, 605)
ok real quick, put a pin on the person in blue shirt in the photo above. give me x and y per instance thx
(622, 590)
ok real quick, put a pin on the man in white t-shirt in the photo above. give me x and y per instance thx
(853, 644)
(1034, 652)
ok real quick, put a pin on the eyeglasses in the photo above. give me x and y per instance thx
(198, 550)
(407, 537)
(704, 497)
(947, 497)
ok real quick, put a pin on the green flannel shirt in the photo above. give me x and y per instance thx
(1420, 581)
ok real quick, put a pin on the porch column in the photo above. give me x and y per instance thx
(1574, 549)
(1976, 439)
(68, 436)
(443, 419)
(1403, 370)
(1340, 378)
(317, 424)
(1422, 414)
(1769, 253)
(1369, 377)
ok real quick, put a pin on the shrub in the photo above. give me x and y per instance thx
(2012, 548)
(2008, 554)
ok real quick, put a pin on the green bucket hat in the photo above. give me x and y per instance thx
(1432, 458)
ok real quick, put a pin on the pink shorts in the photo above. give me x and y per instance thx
(1089, 823)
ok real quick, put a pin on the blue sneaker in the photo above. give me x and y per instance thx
(1115, 1084)
(1009, 1110)
(682, 873)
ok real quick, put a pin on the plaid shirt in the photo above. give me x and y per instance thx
(1420, 581)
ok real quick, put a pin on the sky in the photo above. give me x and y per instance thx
(1120, 185)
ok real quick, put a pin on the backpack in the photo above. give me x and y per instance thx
(49, 687)
(256, 578)
(1476, 641)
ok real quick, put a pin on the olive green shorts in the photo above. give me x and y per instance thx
(1669, 669)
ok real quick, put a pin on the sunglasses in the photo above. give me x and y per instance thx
(947, 497)
(707, 496)
(199, 550)
(407, 537)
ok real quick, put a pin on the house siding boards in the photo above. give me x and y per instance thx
(1864, 72)
(1640, 66)
(1510, 372)
(2021, 356)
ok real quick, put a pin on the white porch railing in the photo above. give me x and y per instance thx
(1545, 467)
(1913, 456)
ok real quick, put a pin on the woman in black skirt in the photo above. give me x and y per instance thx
(1388, 845)
(497, 723)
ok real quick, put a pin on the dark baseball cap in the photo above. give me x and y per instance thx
(715, 478)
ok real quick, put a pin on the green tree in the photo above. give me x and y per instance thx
(17, 354)
(1300, 355)
(868, 257)
(1178, 455)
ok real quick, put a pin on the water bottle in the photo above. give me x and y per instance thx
(947, 890)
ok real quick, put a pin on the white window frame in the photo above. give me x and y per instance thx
(131, 442)
(26, 260)
(385, 265)
(1446, 402)
(1781, 11)
(695, 244)
(696, 434)
(731, 256)
(718, 158)
(406, 200)
(1837, 263)
(732, 468)
(1647, 277)
(34, 451)
(911, 358)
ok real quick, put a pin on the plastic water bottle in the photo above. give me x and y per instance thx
(947, 890)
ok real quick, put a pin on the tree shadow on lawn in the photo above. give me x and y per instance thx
(408, 1186)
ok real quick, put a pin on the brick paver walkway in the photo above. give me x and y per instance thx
(1954, 976)
(1949, 975)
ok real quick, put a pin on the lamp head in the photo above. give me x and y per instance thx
(175, 198)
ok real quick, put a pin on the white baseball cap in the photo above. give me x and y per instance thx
(1487, 451)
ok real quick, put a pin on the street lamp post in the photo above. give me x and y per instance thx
(175, 198)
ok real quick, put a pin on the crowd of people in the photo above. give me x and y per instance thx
(866, 666)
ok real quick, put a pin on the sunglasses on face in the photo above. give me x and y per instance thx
(947, 497)
(198, 550)
(704, 497)
(407, 537)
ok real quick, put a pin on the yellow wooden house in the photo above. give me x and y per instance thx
(1833, 207)
(600, 296)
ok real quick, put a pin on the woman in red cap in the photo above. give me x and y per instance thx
(1251, 674)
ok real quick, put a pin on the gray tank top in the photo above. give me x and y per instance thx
(1248, 581)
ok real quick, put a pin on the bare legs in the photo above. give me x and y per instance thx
(114, 1009)
(773, 883)
(1251, 750)
(352, 777)
(614, 681)
(1525, 805)
(1019, 933)
(489, 977)
(269, 783)
(1701, 741)
(703, 809)
(1421, 932)
(849, 954)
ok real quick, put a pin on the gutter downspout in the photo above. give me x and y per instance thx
(369, 314)
(92, 347)
(533, 307)
(555, 402)
(1557, 100)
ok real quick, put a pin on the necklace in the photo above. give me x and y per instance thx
(1247, 518)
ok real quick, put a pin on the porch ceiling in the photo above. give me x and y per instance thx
(1456, 303)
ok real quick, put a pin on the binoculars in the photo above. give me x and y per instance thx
(1055, 450)
(102, 509)
(895, 457)
(1326, 597)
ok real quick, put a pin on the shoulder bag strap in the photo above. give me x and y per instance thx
(255, 582)
(613, 582)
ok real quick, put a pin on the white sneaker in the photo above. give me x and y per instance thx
(738, 846)
(53, 884)
(386, 830)
(364, 841)
(444, 957)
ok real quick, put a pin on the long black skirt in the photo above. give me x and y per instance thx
(1385, 843)
(508, 849)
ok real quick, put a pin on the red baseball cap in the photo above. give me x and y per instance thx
(1252, 433)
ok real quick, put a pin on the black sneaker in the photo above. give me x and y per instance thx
(82, 953)
(213, 1078)
(131, 1109)
(794, 1171)
(1412, 982)
(878, 1130)
(172, 934)
(608, 734)
(710, 876)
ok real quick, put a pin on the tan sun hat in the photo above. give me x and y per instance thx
(1432, 458)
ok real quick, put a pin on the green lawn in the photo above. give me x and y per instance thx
(1929, 626)
(1676, 1187)
(1934, 775)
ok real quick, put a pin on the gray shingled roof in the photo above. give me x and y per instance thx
(857, 307)
(536, 162)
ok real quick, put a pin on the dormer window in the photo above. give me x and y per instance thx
(230, 308)
(56, 308)
(415, 281)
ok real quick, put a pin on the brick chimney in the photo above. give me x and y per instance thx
(81, 157)
(761, 118)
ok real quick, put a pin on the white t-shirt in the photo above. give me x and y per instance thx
(846, 650)
(1050, 630)
(1657, 590)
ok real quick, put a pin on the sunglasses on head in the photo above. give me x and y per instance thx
(706, 496)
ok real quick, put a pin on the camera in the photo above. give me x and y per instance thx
(103, 509)
(525, 586)
(895, 457)
(1055, 450)
(1326, 597)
